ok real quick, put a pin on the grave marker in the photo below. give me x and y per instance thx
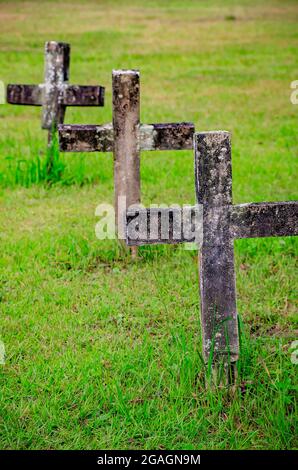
(55, 94)
(126, 137)
(221, 223)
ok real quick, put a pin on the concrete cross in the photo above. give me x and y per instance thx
(55, 94)
(126, 137)
(221, 223)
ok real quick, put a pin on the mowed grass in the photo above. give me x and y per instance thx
(103, 352)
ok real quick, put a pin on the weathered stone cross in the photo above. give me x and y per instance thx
(126, 137)
(221, 222)
(55, 93)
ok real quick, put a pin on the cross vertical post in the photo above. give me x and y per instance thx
(216, 257)
(126, 122)
(57, 58)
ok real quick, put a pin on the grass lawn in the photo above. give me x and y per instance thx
(102, 352)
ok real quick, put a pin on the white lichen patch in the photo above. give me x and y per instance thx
(146, 137)
(125, 72)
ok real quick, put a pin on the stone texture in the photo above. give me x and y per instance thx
(86, 138)
(80, 95)
(216, 259)
(92, 138)
(172, 136)
(269, 219)
(57, 57)
(29, 95)
(126, 120)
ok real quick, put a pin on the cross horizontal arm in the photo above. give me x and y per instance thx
(171, 136)
(86, 138)
(159, 225)
(79, 95)
(276, 219)
(30, 95)
(266, 219)
(79, 138)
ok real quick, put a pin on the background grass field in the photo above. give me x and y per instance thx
(102, 352)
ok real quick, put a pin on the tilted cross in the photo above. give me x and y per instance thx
(126, 137)
(221, 222)
(55, 94)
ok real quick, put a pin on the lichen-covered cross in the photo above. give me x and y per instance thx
(55, 94)
(126, 137)
(221, 222)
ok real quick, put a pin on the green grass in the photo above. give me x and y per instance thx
(103, 352)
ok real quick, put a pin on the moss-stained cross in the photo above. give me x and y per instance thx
(221, 223)
(55, 94)
(126, 137)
